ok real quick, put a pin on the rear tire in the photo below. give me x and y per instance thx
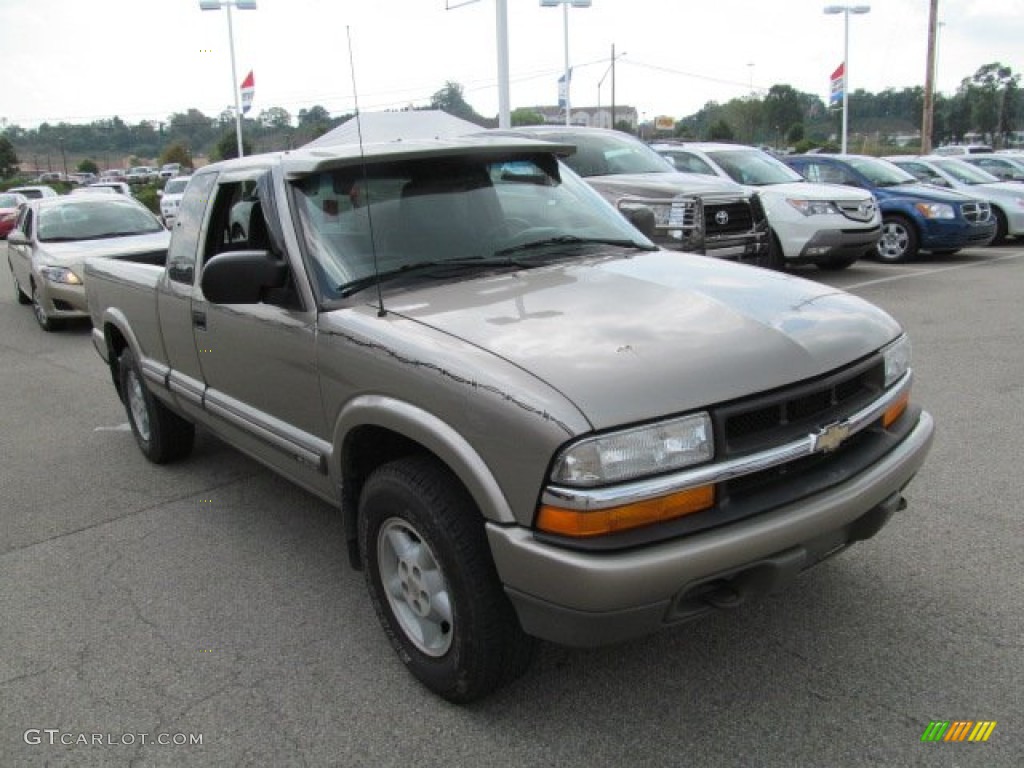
(163, 436)
(433, 583)
(899, 240)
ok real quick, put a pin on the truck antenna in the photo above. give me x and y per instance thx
(381, 312)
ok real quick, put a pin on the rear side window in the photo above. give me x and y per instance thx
(181, 257)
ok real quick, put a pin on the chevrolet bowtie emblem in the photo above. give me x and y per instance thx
(831, 437)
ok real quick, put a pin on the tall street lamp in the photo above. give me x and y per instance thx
(846, 10)
(242, 5)
(610, 70)
(565, 25)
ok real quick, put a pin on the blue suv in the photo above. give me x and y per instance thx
(915, 216)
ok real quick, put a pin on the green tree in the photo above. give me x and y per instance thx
(313, 116)
(782, 109)
(8, 158)
(524, 116)
(176, 153)
(451, 100)
(227, 147)
(275, 117)
(720, 131)
(88, 166)
(795, 133)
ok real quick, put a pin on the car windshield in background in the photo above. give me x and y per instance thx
(608, 155)
(10, 201)
(402, 216)
(965, 173)
(754, 168)
(87, 218)
(175, 186)
(881, 173)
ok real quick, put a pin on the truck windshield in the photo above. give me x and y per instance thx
(401, 215)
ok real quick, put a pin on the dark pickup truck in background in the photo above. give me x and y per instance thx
(535, 423)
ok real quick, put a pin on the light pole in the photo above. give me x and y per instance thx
(565, 26)
(611, 69)
(242, 5)
(846, 10)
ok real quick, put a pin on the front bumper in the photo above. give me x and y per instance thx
(592, 598)
(62, 301)
(830, 244)
(942, 235)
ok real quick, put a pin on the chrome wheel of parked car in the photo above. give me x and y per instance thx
(416, 589)
(433, 583)
(46, 322)
(18, 293)
(162, 435)
(898, 241)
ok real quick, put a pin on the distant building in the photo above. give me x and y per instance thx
(591, 117)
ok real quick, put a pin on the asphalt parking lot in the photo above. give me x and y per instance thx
(212, 599)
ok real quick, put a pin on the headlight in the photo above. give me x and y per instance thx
(935, 210)
(897, 360)
(632, 453)
(813, 207)
(60, 275)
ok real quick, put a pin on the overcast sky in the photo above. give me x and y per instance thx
(83, 60)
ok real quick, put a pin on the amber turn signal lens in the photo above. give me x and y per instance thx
(895, 410)
(578, 524)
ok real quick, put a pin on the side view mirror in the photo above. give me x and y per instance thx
(159, 193)
(17, 237)
(242, 277)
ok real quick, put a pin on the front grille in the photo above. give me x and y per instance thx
(789, 414)
(727, 218)
(858, 210)
(976, 212)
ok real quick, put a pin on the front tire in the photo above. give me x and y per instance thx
(899, 240)
(433, 584)
(161, 434)
(46, 322)
(18, 293)
(1002, 227)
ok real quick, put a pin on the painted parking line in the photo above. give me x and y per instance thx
(911, 273)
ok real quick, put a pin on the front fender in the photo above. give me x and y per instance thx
(436, 436)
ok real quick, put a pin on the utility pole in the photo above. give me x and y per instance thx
(928, 118)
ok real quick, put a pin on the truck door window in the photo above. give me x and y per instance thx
(181, 256)
(237, 223)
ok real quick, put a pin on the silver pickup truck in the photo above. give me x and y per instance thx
(534, 422)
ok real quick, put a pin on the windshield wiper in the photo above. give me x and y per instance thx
(575, 240)
(472, 262)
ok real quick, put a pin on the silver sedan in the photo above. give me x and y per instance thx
(53, 236)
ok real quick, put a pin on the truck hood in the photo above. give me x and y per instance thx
(74, 253)
(630, 339)
(666, 185)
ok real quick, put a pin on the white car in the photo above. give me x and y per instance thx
(34, 192)
(1006, 198)
(170, 199)
(828, 225)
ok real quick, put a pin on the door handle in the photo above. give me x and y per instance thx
(199, 319)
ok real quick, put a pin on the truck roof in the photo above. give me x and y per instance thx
(304, 161)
